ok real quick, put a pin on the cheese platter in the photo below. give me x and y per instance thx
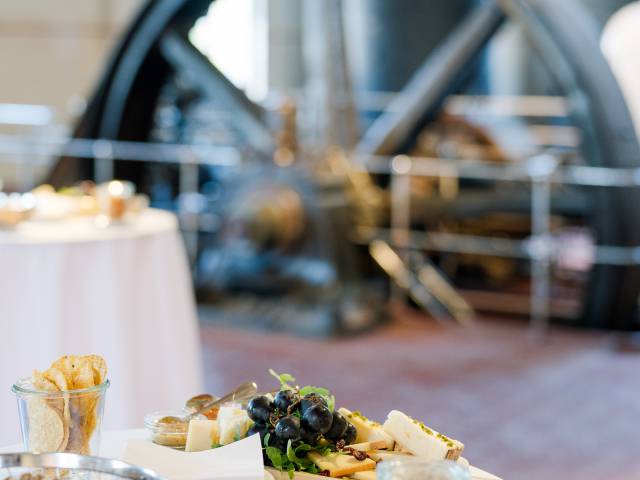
(304, 434)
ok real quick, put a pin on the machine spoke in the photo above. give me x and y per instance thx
(439, 75)
(186, 58)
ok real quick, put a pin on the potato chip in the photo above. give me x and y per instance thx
(40, 382)
(58, 378)
(66, 365)
(99, 367)
(46, 428)
(65, 437)
(77, 437)
(77, 411)
(77, 434)
(84, 377)
(88, 429)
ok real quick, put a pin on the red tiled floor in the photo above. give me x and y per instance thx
(564, 409)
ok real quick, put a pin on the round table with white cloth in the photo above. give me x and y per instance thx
(123, 292)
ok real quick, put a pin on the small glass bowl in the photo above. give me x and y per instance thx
(172, 435)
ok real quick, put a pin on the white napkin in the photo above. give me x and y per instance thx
(240, 460)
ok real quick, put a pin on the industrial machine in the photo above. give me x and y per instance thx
(286, 223)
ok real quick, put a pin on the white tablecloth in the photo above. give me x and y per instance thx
(123, 292)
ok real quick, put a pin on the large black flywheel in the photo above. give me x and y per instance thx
(569, 38)
(156, 50)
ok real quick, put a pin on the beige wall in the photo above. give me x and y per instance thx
(53, 50)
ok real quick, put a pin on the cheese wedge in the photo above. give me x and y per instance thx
(202, 434)
(419, 439)
(366, 446)
(233, 424)
(368, 475)
(340, 465)
(381, 455)
(368, 430)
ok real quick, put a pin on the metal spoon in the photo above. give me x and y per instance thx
(245, 390)
(195, 403)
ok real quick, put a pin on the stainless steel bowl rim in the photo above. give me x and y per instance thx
(73, 461)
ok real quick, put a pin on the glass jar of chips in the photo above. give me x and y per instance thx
(61, 409)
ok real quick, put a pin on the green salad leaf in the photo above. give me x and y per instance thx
(302, 462)
(275, 455)
(323, 392)
(284, 378)
(294, 459)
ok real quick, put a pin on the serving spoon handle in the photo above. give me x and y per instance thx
(245, 390)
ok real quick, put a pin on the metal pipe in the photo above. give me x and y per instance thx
(541, 168)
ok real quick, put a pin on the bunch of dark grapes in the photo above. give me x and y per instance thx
(305, 419)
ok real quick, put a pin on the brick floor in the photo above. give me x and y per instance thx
(568, 408)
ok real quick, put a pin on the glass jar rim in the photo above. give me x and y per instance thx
(151, 421)
(409, 460)
(20, 388)
(412, 465)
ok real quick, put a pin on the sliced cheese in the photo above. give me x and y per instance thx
(420, 440)
(398, 448)
(366, 446)
(340, 465)
(201, 435)
(368, 475)
(381, 455)
(283, 475)
(233, 424)
(368, 430)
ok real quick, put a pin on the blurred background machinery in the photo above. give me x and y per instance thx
(291, 238)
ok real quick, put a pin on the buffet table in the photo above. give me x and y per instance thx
(122, 292)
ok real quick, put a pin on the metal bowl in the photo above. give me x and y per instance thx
(76, 464)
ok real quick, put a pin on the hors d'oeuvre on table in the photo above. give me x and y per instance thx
(305, 436)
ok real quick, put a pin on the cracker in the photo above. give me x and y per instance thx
(46, 428)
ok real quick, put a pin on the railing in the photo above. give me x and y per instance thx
(539, 172)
